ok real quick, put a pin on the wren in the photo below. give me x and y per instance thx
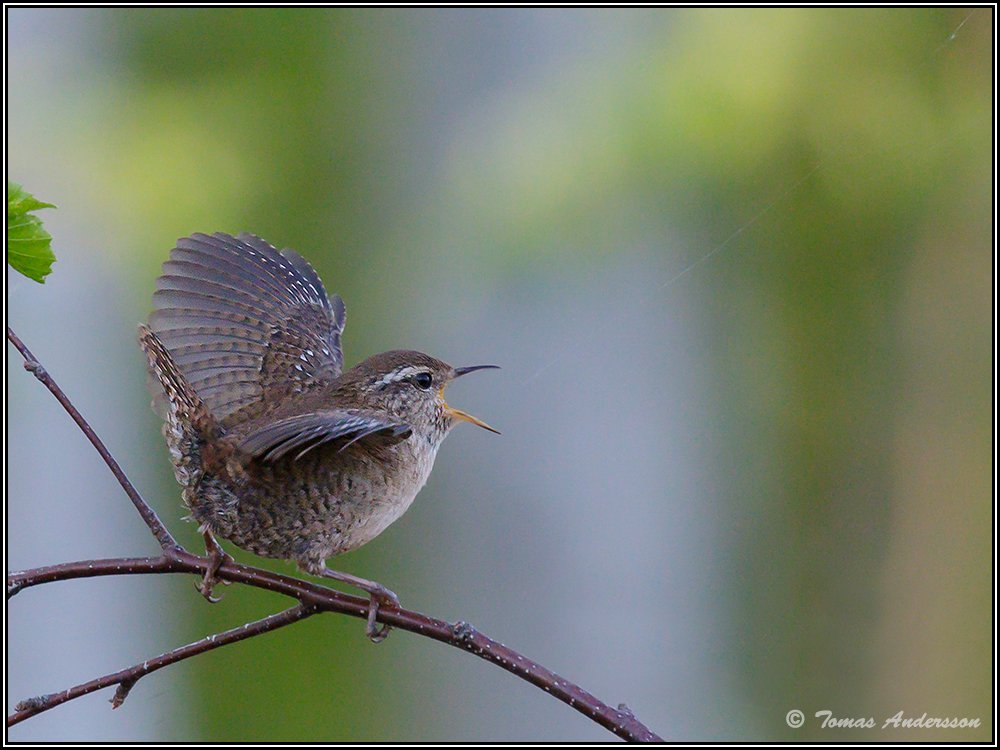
(277, 449)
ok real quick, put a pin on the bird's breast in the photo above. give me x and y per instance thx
(325, 503)
(375, 488)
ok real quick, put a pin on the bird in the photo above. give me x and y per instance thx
(276, 447)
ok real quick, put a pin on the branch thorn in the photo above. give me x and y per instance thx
(121, 692)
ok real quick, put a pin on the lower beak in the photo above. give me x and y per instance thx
(465, 417)
(457, 413)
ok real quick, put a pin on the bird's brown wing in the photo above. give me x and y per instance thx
(245, 323)
(303, 432)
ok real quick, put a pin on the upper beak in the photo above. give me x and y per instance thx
(460, 371)
(457, 413)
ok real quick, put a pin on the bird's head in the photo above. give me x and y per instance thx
(410, 386)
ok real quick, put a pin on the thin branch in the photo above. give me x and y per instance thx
(125, 679)
(163, 536)
(311, 597)
(23, 579)
(320, 598)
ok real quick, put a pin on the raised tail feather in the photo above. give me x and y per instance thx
(188, 422)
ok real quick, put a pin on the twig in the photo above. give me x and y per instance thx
(324, 599)
(163, 536)
(311, 597)
(125, 679)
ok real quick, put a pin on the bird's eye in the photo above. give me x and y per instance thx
(423, 380)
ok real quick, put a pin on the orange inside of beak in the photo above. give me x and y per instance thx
(465, 416)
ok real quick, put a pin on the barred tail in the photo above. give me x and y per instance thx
(188, 422)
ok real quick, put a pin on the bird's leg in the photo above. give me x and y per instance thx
(379, 596)
(216, 556)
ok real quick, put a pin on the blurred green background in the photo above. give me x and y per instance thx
(737, 265)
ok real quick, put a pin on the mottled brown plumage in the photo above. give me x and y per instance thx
(276, 449)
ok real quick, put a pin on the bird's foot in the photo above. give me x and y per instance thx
(379, 596)
(216, 557)
(382, 597)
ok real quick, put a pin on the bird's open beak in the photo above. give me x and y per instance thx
(458, 414)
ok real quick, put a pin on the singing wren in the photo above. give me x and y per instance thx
(277, 449)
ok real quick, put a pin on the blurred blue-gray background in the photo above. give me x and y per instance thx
(737, 267)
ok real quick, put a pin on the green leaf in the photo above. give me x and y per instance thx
(29, 248)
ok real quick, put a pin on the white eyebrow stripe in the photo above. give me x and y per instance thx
(400, 373)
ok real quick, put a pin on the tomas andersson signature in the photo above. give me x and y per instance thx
(899, 720)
